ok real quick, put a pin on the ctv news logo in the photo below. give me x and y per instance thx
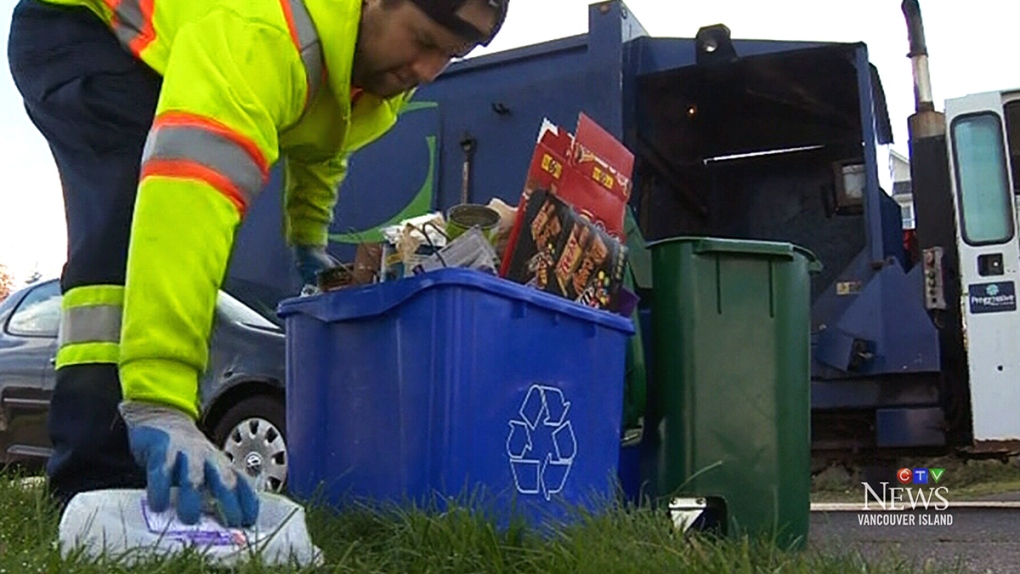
(914, 489)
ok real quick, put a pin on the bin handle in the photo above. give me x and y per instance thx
(776, 249)
(368, 301)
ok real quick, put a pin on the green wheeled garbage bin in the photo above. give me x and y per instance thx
(731, 381)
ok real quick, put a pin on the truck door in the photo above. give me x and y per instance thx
(984, 187)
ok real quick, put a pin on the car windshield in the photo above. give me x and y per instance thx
(38, 312)
(241, 313)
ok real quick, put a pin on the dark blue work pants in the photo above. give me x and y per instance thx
(94, 102)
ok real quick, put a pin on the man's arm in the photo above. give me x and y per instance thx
(310, 194)
(228, 85)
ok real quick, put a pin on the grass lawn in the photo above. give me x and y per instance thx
(639, 541)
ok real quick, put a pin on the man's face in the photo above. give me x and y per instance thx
(400, 47)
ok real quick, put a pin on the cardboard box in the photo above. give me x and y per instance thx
(560, 252)
(568, 234)
(591, 172)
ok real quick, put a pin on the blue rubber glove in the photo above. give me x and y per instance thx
(174, 453)
(312, 259)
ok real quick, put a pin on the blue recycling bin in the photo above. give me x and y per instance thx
(454, 385)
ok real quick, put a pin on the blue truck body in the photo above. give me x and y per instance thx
(740, 145)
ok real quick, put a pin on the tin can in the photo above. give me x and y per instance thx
(464, 216)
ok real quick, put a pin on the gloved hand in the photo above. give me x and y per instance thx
(167, 444)
(311, 259)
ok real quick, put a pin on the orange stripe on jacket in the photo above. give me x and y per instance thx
(288, 15)
(209, 124)
(184, 169)
(148, 33)
(291, 26)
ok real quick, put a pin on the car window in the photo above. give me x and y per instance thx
(240, 313)
(38, 314)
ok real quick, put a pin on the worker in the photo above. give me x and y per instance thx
(164, 118)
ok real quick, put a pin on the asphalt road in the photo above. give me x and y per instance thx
(982, 540)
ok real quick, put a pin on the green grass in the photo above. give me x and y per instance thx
(639, 541)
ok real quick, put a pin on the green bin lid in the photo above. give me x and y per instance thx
(781, 249)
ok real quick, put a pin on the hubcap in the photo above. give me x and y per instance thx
(256, 449)
(253, 464)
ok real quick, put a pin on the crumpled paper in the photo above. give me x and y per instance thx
(410, 235)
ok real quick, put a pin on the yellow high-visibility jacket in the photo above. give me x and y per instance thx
(244, 83)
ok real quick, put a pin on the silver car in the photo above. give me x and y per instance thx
(241, 392)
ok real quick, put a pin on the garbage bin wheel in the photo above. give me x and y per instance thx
(252, 433)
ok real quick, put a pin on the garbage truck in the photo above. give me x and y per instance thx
(913, 343)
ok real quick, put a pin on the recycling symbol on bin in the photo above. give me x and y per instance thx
(541, 445)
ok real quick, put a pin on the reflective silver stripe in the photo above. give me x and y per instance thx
(90, 324)
(208, 149)
(130, 21)
(309, 46)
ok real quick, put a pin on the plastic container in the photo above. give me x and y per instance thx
(454, 384)
(731, 380)
(119, 525)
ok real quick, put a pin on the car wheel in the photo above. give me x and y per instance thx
(252, 434)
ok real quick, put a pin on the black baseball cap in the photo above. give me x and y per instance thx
(444, 13)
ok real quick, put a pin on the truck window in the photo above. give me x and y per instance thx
(982, 183)
(1012, 113)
